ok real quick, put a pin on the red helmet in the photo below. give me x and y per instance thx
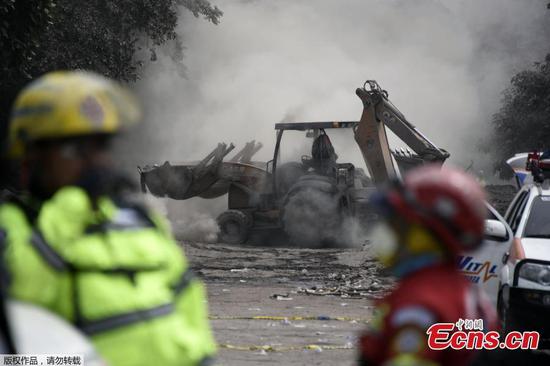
(445, 200)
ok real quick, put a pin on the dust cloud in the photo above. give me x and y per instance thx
(191, 220)
(443, 62)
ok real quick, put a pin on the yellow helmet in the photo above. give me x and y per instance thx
(66, 104)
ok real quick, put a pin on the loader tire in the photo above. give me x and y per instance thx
(234, 227)
(311, 214)
(287, 175)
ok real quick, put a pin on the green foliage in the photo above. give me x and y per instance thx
(106, 36)
(21, 26)
(523, 121)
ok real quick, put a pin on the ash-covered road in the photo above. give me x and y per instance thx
(293, 306)
(285, 305)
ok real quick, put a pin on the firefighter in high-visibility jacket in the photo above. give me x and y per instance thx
(79, 245)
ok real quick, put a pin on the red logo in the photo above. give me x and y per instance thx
(443, 335)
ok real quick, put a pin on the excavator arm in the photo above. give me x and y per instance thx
(370, 135)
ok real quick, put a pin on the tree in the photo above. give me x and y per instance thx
(106, 36)
(523, 121)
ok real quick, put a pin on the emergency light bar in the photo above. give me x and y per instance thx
(539, 165)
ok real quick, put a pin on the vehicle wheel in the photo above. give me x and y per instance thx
(311, 213)
(287, 175)
(234, 226)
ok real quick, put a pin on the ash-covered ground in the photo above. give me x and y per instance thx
(293, 306)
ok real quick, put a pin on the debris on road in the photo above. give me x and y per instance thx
(359, 285)
(269, 348)
(284, 297)
(346, 273)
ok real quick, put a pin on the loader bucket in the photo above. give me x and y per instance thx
(167, 180)
(181, 182)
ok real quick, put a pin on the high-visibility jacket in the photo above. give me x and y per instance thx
(115, 272)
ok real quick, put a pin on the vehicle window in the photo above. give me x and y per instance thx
(491, 216)
(512, 211)
(519, 213)
(538, 223)
(511, 218)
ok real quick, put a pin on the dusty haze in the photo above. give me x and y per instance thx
(444, 64)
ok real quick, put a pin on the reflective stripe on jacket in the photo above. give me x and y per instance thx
(115, 273)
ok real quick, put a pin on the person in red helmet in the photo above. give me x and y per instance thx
(427, 220)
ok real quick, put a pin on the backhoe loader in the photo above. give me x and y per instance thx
(310, 201)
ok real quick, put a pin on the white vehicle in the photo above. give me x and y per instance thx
(524, 294)
(482, 266)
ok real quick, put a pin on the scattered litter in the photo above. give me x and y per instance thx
(304, 271)
(285, 321)
(281, 297)
(351, 338)
(314, 347)
(280, 348)
(343, 304)
(242, 281)
(262, 352)
(254, 309)
(239, 269)
(298, 307)
(353, 285)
